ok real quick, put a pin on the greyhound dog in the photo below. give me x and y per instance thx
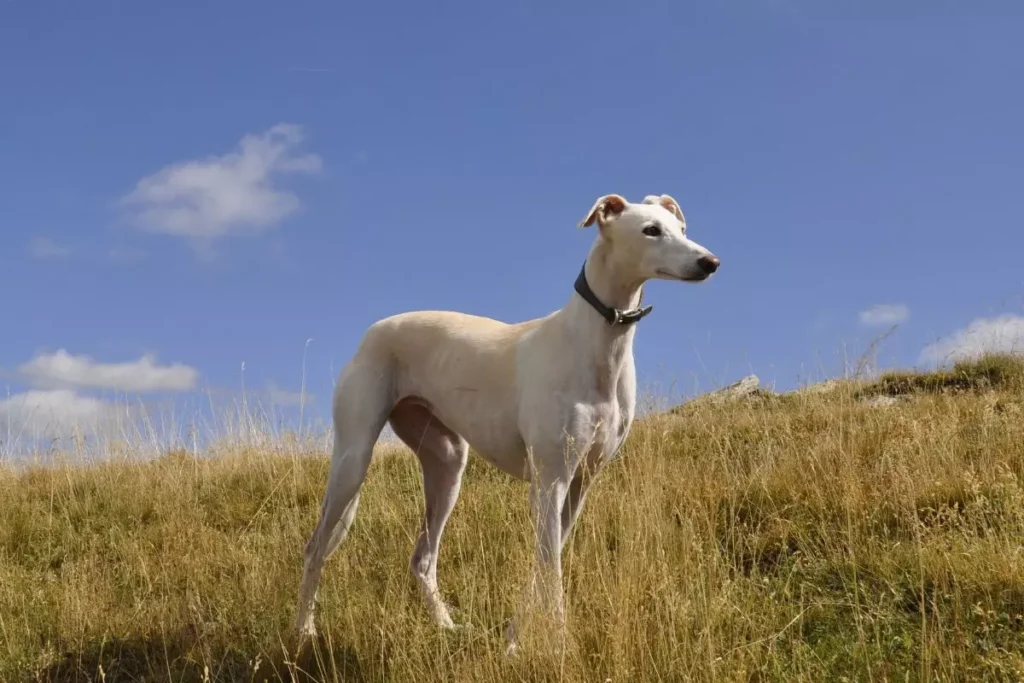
(548, 400)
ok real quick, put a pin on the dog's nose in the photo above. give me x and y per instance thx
(709, 263)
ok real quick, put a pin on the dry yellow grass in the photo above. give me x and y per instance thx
(804, 537)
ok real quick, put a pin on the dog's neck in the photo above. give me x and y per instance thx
(608, 281)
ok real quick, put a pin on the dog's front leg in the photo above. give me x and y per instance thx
(547, 496)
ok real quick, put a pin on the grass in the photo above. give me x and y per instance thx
(810, 538)
(993, 371)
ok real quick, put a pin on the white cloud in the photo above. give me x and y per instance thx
(61, 370)
(53, 413)
(1002, 334)
(282, 397)
(44, 247)
(884, 314)
(211, 198)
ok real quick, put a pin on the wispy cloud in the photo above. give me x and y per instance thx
(62, 370)
(126, 255)
(46, 248)
(1003, 333)
(208, 199)
(884, 314)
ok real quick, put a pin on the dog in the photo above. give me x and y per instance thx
(550, 400)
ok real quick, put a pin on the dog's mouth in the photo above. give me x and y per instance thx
(687, 277)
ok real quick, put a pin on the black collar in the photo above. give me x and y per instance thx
(614, 316)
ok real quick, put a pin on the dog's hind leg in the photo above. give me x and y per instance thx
(361, 404)
(443, 455)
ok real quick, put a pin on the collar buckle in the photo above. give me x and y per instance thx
(614, 316)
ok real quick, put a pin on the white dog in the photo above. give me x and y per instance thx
(548, 400)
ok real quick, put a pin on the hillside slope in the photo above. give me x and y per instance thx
(807, 536)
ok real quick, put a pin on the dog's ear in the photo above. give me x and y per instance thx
(604, 208)
(667, 202)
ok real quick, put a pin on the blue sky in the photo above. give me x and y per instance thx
(188, 186)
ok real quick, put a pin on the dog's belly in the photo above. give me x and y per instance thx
(505, 452)
(488, 426)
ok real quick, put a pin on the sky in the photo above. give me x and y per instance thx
(201, 198)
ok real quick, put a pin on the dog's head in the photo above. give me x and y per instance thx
(650, 238)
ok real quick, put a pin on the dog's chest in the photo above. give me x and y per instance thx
(608, 427)
(615, 401)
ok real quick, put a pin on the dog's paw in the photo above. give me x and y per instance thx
(461, 628)
(511, 639)
(306, 630)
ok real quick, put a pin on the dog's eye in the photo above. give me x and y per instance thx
(652, 230)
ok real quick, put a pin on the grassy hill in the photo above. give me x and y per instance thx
(818, 535)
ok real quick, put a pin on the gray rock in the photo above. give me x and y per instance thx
(745, 387)
(820, 388)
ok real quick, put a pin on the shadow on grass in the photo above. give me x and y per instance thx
(184, 656)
